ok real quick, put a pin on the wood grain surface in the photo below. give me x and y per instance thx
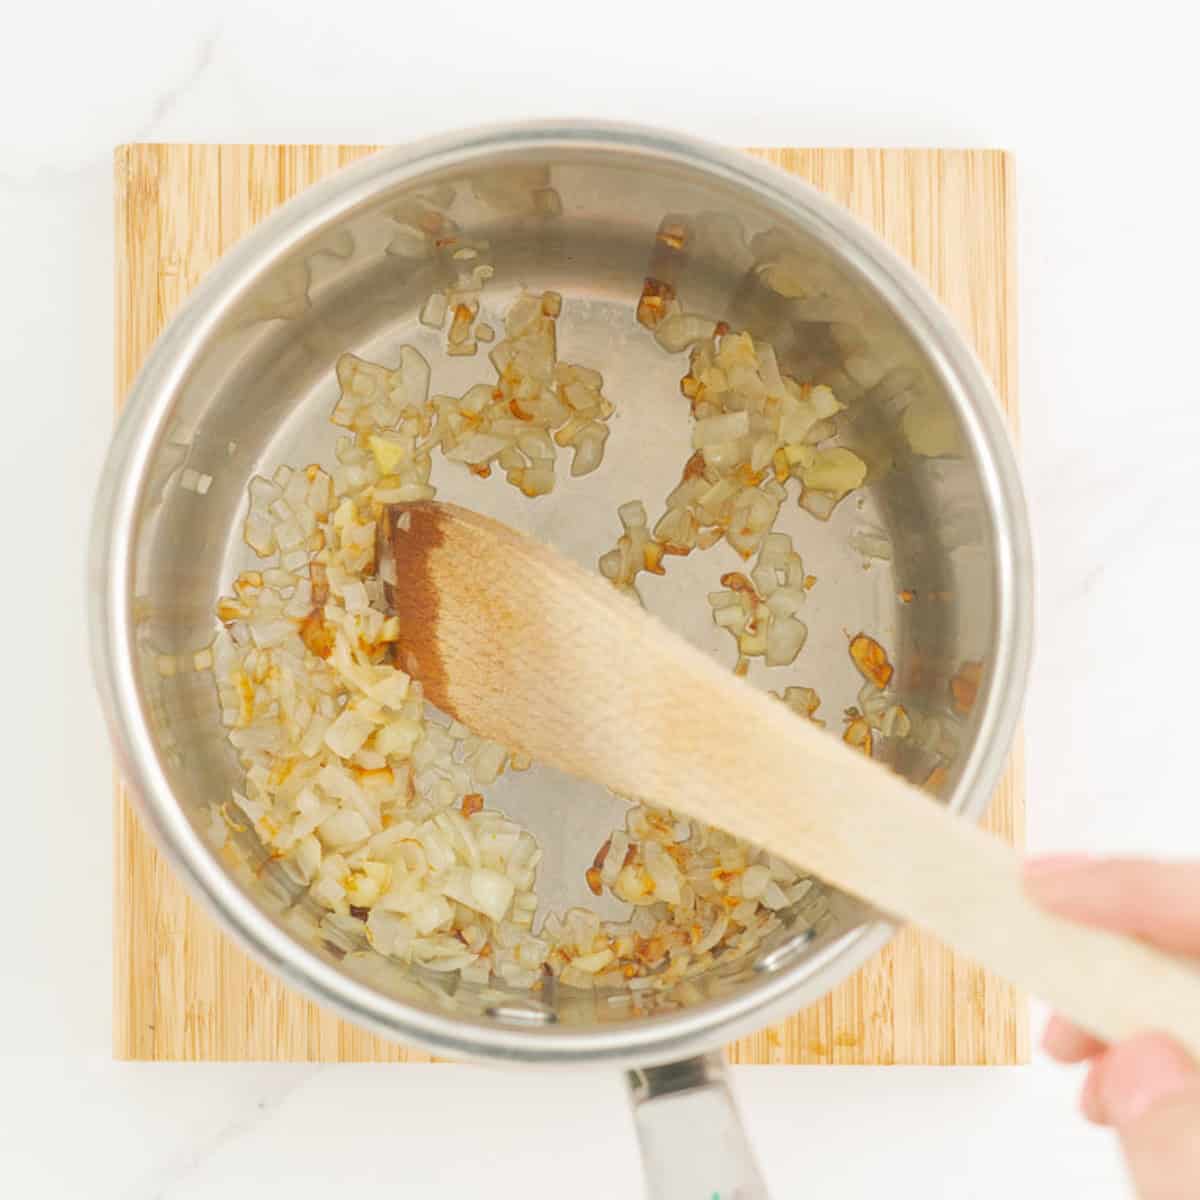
(182, 989)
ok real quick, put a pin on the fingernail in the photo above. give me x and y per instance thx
(1054, 1035)
(1154, 1069)
(1061, 1040)
(1046, 865)
(1091, 1100)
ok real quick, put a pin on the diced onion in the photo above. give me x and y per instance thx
(681, 330)
(376, 806)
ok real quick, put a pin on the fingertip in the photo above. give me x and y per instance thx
(1050, 878)
(1140, 1073)
(1091, 1097)
(1065, 1043)
(1042, 866)
(1155, 901)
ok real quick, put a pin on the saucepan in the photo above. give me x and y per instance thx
(401, 275)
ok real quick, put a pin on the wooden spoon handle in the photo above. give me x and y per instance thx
(802, 794)
(964, 885)
(865, 830)
(531, 650)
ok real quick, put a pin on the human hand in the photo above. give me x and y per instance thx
(1146, 1088)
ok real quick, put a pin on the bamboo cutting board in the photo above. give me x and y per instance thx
(182, 990)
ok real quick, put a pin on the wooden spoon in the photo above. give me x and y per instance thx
(526, 648)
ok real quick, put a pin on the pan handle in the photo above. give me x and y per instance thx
(693, 1144)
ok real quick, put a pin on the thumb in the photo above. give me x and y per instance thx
(1150, 1090)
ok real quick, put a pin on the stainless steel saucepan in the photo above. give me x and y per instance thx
(242, 380)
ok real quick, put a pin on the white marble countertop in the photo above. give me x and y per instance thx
(1108, 257)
